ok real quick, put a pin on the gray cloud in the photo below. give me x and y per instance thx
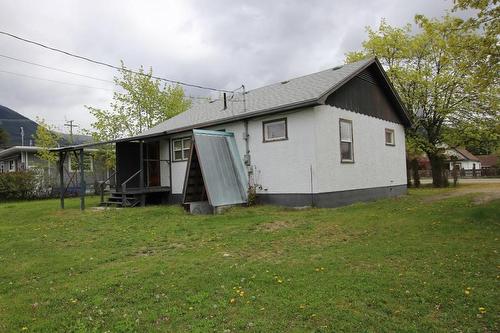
(215, 43)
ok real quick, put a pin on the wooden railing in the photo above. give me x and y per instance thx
(124, 186)
(102, 185)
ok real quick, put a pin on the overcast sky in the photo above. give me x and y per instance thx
(216, 43)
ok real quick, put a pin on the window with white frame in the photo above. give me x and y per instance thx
(181, 148)
(346, 141)
(275, 130)
(389, 137)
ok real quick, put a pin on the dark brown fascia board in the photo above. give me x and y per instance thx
(324, 96)
(394, 92)
(373, 60)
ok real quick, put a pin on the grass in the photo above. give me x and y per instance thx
(406, 265)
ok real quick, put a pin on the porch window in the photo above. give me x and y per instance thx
(275, 130)
(12, 165)
(389, 137)
(182, 149)
(346, 141)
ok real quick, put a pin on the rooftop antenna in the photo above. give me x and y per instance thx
(69, 123)
(244, 98)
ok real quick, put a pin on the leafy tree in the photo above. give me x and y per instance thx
(445, 72)
(46, 138)
(141, 103)
(4, 137)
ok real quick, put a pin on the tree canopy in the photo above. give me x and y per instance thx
(140, 103)
(45, 138)
(445, 71)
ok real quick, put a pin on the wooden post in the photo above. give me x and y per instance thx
(141, 174)
(62, 156)
(82, 181)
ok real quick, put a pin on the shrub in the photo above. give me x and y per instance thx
(18, 185)
(252, 196)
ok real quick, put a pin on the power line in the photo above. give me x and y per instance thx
(79, 85)
(54, 81)
(109, 65)
(55, 69)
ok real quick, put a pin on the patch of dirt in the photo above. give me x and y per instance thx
(274, 226)
(483, 194)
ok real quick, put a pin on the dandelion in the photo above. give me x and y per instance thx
(482, 310)
(467, 292)
(24, 328)
(280, 281)
(232, 300)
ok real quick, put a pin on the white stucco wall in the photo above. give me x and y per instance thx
(164, 166)
(313, 142)
(467, 165)
(375, 163)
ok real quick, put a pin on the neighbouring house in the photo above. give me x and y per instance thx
(461, 157)
(490, 165)
(20, 153)
(489, 161)
(325, 139)
(21, 158)
(465, 160)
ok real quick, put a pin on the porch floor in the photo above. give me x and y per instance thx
(148, 189)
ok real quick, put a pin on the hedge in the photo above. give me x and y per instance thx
(18, 185)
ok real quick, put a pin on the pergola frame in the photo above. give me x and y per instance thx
(79, 156)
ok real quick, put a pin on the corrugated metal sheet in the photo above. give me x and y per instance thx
(223, 171)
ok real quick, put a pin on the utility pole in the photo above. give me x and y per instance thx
(69, 123)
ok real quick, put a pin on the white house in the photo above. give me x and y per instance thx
(325, 139)
(462, 158)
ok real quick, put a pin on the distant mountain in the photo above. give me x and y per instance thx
(11, 122)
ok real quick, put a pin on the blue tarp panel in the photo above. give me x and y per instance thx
(223, 172)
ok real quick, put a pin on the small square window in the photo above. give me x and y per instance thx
(346, 141)
(182, 149)
(389, 137)
(275, 130)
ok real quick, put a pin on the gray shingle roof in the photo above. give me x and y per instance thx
(294, 92)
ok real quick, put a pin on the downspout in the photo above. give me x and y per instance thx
(246, 158)
(246, 137)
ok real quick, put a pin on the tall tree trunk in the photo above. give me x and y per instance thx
(437, 166)
(416, 176)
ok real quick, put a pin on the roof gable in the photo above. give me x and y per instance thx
(369, 93)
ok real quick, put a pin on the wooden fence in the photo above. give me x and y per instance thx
(470, 173)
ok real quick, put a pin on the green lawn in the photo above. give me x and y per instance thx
(405, 265)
